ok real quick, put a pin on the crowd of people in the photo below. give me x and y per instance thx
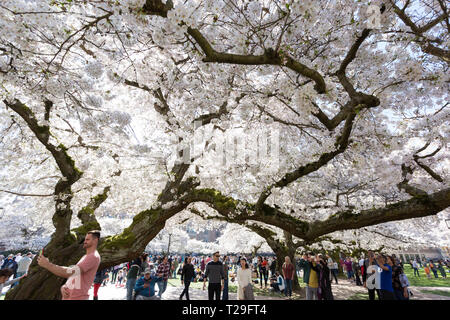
(382, 275)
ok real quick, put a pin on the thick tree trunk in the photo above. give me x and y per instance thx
(40, 284)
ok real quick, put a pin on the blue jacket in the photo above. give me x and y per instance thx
(146, 292)
(10, 264)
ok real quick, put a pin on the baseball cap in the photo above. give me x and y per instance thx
(148, 271)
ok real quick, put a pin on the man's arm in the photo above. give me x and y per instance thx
(59, 271)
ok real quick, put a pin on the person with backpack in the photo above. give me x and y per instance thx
(132, 275)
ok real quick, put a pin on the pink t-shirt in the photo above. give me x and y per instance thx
(88, 265)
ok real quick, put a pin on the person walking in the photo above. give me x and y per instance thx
(175, 264)
(114, 274)
(215, 275)
(132, 275)
(416, 268)
(82, 274)
(187, 275)
(433, 269)
(244, 278)
(288, 270)
(163, 272)
(98, 280)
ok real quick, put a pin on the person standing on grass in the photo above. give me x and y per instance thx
(433, 269)
(244, 278)
(416, 268)
(441, 269)
(83, 273)
(215, 275)
(427, 271)
(288, 274)
(187, 275)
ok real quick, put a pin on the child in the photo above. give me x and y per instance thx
(427, 271)
(119, 278)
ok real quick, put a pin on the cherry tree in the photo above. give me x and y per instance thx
(101, 103)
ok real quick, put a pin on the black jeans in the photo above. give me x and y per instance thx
(386, 295)
(186, 290)
(214, 289)
(334, 274)
(372, 294)
(263, 273)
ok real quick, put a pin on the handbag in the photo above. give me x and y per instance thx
(248, 292)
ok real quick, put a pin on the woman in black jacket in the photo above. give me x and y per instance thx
(324, 281)
(186, 275)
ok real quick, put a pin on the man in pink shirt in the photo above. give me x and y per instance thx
(81, 276)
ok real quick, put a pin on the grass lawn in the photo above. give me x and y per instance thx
(437, 292)
(423, 281)
(359, 296)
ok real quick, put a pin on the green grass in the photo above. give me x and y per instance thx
(359, 296)
(437, 292)
(423, 281)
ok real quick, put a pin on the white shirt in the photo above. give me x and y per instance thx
(18, 258)
(244, 277)
(280, 279)
(415, 264)
(361, 262)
